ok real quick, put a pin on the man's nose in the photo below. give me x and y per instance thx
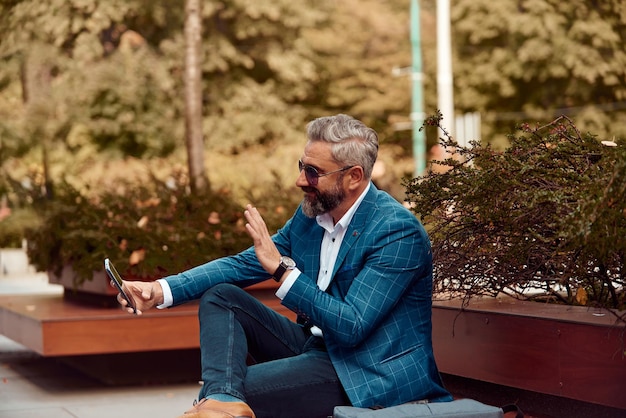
(301, 181)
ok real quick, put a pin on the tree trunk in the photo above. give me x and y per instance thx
(193, 96)
(36, 80)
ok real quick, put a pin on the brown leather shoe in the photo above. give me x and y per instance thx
(210, 408)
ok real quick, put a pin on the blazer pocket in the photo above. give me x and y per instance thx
(401, 354)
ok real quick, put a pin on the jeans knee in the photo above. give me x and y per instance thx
(222, 294)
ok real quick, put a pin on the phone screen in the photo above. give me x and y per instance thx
(117, 281)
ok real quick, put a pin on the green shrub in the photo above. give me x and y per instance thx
(544, 219)
(148, 230)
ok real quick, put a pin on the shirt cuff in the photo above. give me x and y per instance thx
(287, 283)
(168, 299)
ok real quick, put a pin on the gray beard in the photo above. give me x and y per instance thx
(323, 202)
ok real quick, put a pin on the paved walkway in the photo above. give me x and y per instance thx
(35, 387)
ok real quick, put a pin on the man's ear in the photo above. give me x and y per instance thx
(356, 176)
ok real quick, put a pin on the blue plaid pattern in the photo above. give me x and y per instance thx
(376, 313)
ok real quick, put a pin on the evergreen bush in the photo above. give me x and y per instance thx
(545, 219)
(148, 230)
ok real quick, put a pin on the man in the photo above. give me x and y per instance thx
(356, 267)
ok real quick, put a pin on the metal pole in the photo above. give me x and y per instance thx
(444, 66)
(417, 99)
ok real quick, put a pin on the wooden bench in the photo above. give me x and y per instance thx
(482, 342)
(53, 326)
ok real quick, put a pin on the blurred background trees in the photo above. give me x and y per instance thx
(105, 79)
(92, 99)
(534, 60)
(91, 90)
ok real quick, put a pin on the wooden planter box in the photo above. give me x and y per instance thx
(568, 351)
(100, 284)
(96, 292)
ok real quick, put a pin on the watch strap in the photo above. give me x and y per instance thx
(278, 274)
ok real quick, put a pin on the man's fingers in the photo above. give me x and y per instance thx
(121, 300)
(250, 217)
(256, 224)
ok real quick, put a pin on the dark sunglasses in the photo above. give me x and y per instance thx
(312, 175)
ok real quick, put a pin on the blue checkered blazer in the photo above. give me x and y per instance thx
(376, 313)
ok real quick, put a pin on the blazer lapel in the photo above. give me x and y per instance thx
(355, 228)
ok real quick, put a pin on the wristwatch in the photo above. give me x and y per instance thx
(286, 263)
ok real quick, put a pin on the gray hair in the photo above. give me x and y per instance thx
(352, 142)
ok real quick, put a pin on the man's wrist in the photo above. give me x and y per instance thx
(286, 283)
(286, 264)
(165, 298)
(158, 293)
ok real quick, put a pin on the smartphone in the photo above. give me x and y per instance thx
(117, 281)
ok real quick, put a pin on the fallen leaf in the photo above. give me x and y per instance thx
(608, 143)
(142, 222)
(153, 201)
(214, 218)
(137, 257)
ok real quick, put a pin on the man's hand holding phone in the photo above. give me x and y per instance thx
(116, 280)
(135, 296)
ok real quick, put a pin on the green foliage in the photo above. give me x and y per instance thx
(13, 227)
(110, 74)
(88, 80)
(124, 99)
(149, 230)
(357, 49)
(536, 59)
(548, 215)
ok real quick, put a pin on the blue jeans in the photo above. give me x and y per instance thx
(253, 353)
